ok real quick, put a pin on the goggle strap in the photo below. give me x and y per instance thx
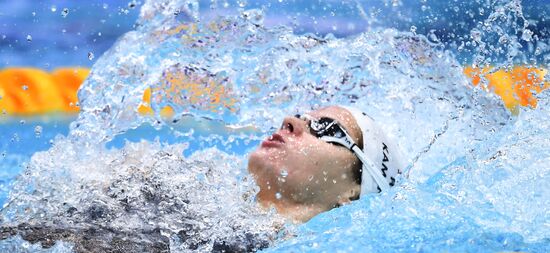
(344, 141)
(367, 164)
(370, 167)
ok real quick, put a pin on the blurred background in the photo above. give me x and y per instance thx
(56, 33)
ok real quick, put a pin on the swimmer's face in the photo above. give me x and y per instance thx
(295, 166)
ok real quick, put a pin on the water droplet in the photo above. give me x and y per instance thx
(413, 29)
(503, 39)
(25, 87)
(481, 11)
(476, 35)
(432, 36)
(29, 38)
(90, 56)
(284, 173)
(53, 8)
(527, 35)
(65, 12)
(537, 52)
(132, 4)
(38, 131)
(99, 34)
(242, 3)
(22, 122)
(105, 6)
(123, 11)
(278, 195)
(15, 138)
(33, 14)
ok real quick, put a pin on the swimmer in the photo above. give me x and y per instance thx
(315, 162)
(322, 160)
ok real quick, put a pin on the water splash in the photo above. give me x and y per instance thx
(465, 149)
(144, 195)
(491, 204)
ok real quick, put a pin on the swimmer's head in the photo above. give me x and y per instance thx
(321, 160)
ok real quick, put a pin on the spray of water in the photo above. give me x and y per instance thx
(472, 165)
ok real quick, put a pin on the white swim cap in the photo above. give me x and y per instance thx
(381, 153)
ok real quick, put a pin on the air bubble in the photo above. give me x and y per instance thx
(53, 8)
(278, 195)
(90, 56)
(29, 38)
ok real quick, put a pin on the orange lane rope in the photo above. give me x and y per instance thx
(516, 87)
(29, 91)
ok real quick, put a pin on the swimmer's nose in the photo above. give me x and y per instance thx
(293, 125)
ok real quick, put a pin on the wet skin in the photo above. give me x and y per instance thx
(301, 175)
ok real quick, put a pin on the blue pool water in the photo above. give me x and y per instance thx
(476, 175)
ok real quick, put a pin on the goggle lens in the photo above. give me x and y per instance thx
(323, 127)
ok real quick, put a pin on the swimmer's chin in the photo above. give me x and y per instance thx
(263, 161)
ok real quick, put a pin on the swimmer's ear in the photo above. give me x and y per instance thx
(350, 195)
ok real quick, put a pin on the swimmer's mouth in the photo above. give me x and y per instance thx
(273, 141)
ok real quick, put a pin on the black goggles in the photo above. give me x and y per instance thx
(329, 130)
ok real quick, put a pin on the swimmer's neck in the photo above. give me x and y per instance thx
(297, 212)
